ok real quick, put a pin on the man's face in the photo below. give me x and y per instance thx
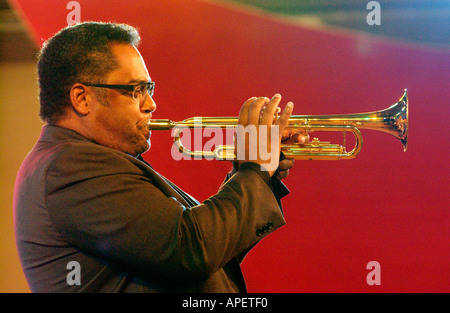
(120, 121)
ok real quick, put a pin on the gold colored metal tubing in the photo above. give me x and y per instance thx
(393, 120)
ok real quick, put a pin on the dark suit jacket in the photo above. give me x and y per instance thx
(129, 228)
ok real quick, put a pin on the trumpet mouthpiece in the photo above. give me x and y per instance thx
(161, 124)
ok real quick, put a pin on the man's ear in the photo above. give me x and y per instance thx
(80, 99)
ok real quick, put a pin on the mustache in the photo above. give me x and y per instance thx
(142, 125)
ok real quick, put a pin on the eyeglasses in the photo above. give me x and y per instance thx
(138, 90)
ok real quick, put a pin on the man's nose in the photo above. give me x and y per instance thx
(148, 105)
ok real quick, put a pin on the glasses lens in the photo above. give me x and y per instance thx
(150, 88)
(140, 90)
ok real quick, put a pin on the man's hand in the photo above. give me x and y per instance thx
(289, 137)
(258, 114)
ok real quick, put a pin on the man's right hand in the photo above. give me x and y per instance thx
(258, 131)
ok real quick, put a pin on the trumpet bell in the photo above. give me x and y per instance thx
(396, 120)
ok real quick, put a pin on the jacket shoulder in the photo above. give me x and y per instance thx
(85, 157)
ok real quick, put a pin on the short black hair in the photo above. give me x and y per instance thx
(77, 54)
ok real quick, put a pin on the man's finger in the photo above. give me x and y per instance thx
(283, 121)
(286, 164)
(255, 110)
(243, 113)
(298, 138)
(281, 174)
(269, 112)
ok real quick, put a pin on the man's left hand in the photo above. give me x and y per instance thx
(289, 137)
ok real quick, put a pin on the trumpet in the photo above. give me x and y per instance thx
(392, 120)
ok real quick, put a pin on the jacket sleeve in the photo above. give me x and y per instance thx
(107, 206)
(278, 188)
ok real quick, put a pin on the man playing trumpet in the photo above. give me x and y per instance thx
(85, 196)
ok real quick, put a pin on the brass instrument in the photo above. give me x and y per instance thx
(393, 120)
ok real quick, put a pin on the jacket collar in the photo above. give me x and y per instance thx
(53, 133)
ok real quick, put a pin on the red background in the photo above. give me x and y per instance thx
(386, 205)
